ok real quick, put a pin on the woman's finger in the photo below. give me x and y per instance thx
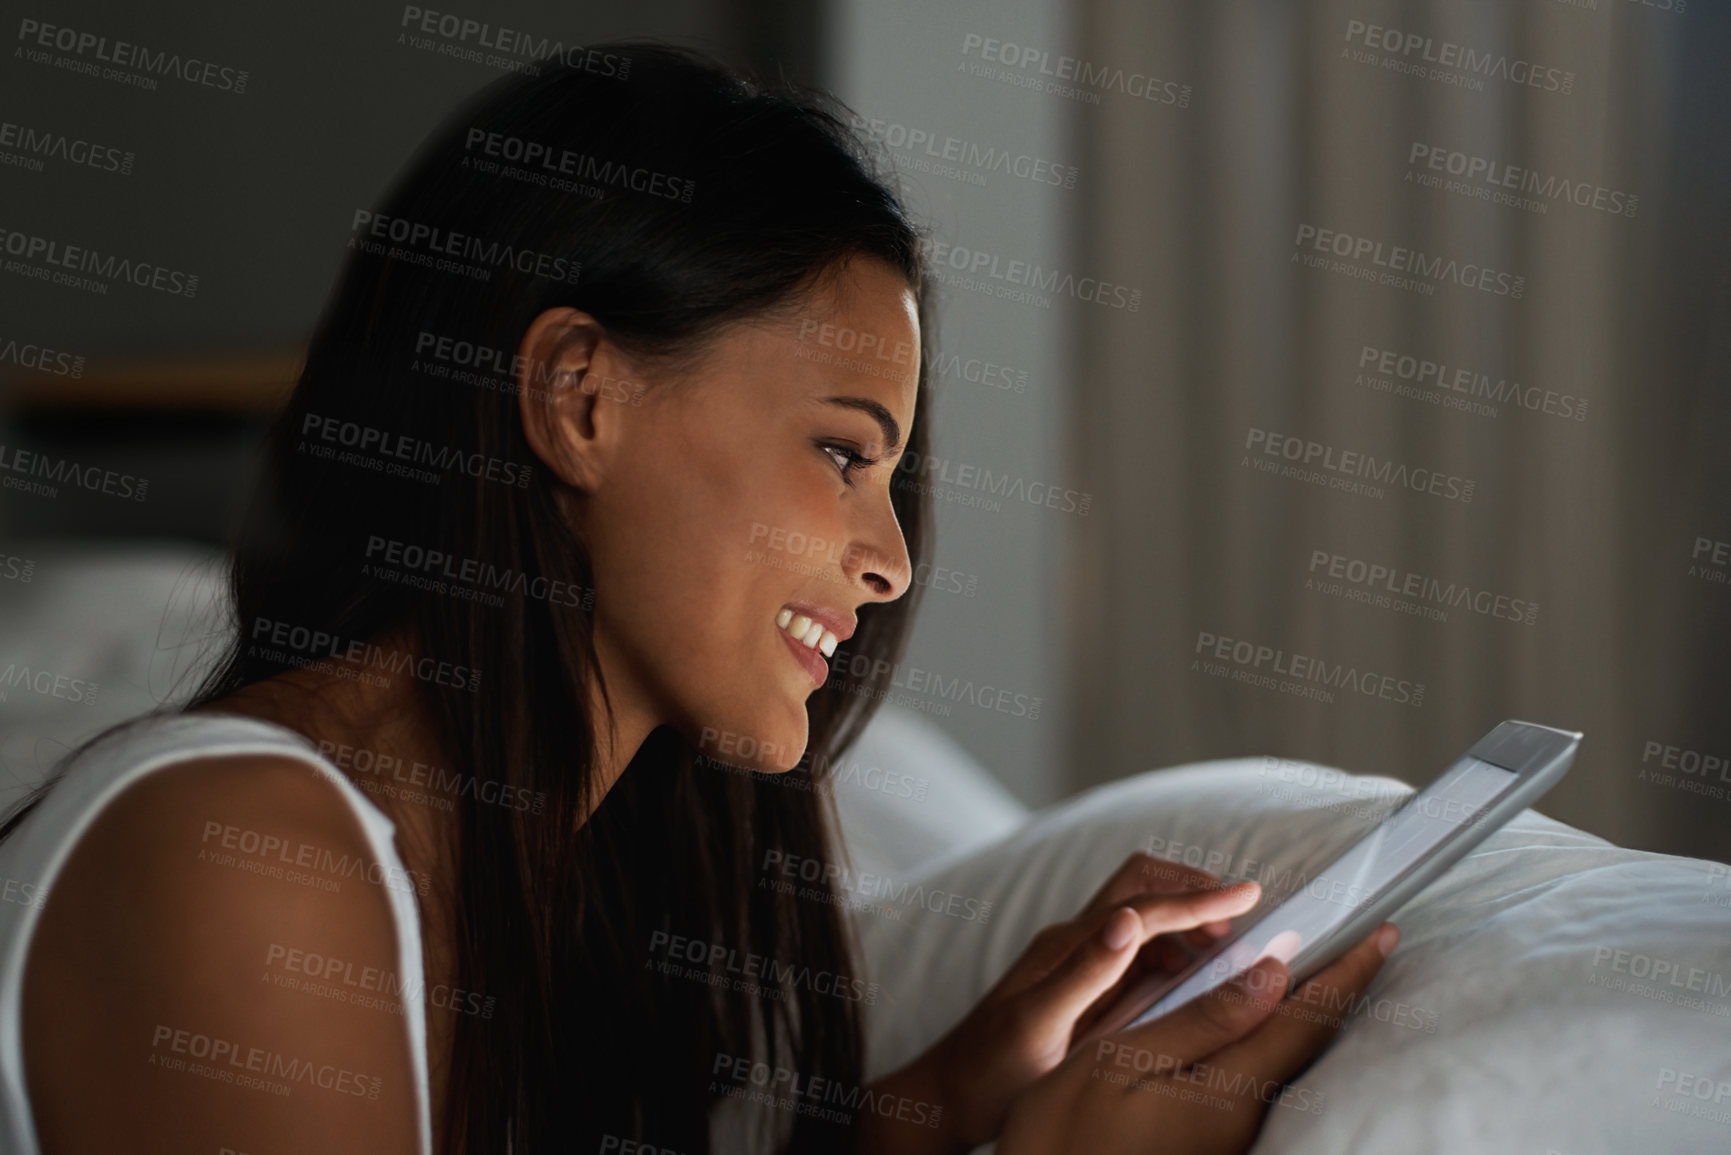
(1305, 1022)
(1205, 934)
(1157, 914)
(1170, 951)
(1143, 873)
(1165, 953)
(1203, 1025)
(1188, 910)
(1162, 875)
(1091, 969)
(1161, 955)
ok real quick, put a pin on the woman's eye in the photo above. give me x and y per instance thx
(847, 459)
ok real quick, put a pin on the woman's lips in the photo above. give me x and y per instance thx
(806, 656)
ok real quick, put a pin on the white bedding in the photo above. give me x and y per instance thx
(1506, 1020)
(133, 620)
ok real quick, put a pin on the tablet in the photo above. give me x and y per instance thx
(1501, 775)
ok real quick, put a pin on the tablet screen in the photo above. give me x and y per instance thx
(1355, 878)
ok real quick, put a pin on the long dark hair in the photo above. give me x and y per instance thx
(680, 196)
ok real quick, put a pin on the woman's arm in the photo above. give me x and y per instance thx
(167, 1002)
(907, 1099)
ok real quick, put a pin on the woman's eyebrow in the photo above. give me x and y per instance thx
(892, 431)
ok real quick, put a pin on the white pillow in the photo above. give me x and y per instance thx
(117, 627)
(908, 794)
(1519, 1014)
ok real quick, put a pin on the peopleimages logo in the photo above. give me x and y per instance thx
(27, 355)
(544, 161)
(123, 54)
(1415, 373)
(1711, 560)
(1167, 1069)
(1389, 587)
(1388, 263)
(389, 774)
(864, 671)
(979, 371)
(1018, 280)
(1488, 179)
(368, 987)
(502, 371)
(1042, 70)
(924, 150)
(1689, 761)
(928, 472)
(443, 567)
(20, 469)
(28, 247)
(464, 38)
(301, 645)
(1324, 464)
(47, 683)
(224, 1060)
(1303, 675)
(717, 959)
(35, 145)
(813, 1096)
(439, 242)
(833, 878)
(398, 454)
(1448, 55)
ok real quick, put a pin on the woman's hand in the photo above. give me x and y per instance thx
(1200, 1079)
(1072, 972)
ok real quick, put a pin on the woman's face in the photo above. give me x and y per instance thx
(745, 502)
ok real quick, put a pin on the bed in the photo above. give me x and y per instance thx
(1552, 993)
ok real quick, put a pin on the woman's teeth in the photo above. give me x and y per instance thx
(805, 630)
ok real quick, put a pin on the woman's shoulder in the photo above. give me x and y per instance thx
(257, 811)
(219, 956)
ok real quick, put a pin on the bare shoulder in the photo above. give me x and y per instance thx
(216, 966)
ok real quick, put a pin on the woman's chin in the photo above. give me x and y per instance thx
(778, 757)
(765, 749)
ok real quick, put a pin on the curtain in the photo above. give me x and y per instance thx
(1422, 421)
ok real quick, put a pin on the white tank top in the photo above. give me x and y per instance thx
(34, 853)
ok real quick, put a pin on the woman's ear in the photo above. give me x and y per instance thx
(567, 419)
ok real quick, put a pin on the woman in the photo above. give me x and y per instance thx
(508, 606)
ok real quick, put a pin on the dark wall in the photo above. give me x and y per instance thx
(249, 182)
